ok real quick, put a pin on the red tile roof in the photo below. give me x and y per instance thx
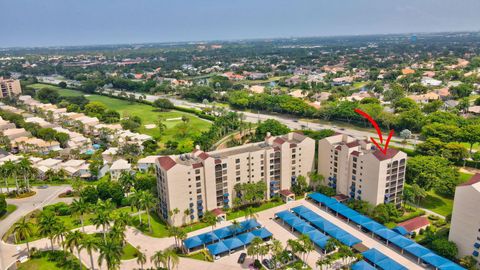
(166, 162)
(292, 145)
(381, 156)
(353, 144)
(217, 212)
(203, 155)
(414, 223)
(279, 140)
(197, 165)
(473, 180)
(286, 192)
(355, 153)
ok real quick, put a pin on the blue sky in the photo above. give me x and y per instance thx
(83, 22)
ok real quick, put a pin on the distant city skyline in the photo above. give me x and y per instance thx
(30, 23)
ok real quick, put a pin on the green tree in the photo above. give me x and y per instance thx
(80, 207)
(22, 231)
(46, 225)
(110, 252)
(430, 172)
(74, 240)
(90, 244)
(445, 248)
(273, 126)
(141, 258)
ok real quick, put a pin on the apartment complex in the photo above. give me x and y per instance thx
(203, 181)
(9, 87)
(465, 225)
(357, 169)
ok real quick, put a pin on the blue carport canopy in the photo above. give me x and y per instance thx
(208, 237)
(246, 238)
(223, 232)
(362, 265)
(361, 219)
(320, 198)
(373, 255)
(417, 250)
(193, 242)
(233, 243)
(303, 228)
(300, 209)
(434, 260)
(294, 221)
(284, 214)
(217, 248)
(323, 225)
(389, 264)
(335, 232)
(386, 233)
(349, 213)
(401, 241)
(318, 238)
(249, 224)
(349, 240)
(309, 216)
(338, 207)
(262, 233)
(400, 230)
(373, 226)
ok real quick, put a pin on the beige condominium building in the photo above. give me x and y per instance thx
(202, 181)
(357, 169)
(9, 87)
(465, 225)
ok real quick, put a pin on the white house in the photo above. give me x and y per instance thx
(118, 167)
(145, 163)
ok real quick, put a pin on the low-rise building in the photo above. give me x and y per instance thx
(118, 167)
(14, 133)
(146, 163)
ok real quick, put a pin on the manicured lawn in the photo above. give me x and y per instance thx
(159, 227)
(437, 203)
(262, 207)
(39, 264)
(464, 177)
(200, 255)
(62, 91)
(129, 252)
(10, 209)
(147, 113)
(70, 221)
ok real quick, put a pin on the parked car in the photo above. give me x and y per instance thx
(268, 263)
(242, 257)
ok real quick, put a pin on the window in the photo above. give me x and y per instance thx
(238, 179)
(199, 190)
(197, 171)
(197, 178)
(237, 160)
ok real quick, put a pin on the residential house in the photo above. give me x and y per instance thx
(425, 98)
(118, 167)
(13, 133)
(146, 163)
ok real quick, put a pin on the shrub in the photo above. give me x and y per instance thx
(422, 231)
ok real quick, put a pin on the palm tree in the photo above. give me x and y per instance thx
(158, 259)
(126, 180)
(141, 258)
(74, 240)
(110, 252)
(277, 249)
(331, 245)
(250, 213)
(90, 243)
(172, 258)
(136, 201)
(186, 213)
(26, 170)
(235, 226)
(102, 219)
(60, 230)
(4, 175)
(307, 245)
(23, 230)
(148, 202)
(254, 248)
(118, 232)
(10, 170)
(210, 219)
(173, 213)
(80, 207)
(46, 225)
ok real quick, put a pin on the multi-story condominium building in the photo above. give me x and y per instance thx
(465, 225)
(9, 87)
(357, 169)
(203, 181)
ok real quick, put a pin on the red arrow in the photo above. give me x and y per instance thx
(379, 132)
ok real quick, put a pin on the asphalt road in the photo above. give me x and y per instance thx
(24, 206)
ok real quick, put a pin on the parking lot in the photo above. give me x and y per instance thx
(283, 233)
